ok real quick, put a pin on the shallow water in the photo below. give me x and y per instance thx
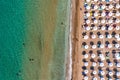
(34, 39)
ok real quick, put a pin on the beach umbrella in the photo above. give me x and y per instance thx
(110, 73)
(110, 21)
(85, 71)
(101, 64)
(94, 46)
(95, 14)
(94, 78)
(95, 28)
(86, 63)
(87, 0)
(93, 36)
(118, 5)
(109, 45)
(87, 28)
(103, 28)
(86, 78)
(86, 56)
(102, 46)
(117, 35)
(87, 21)
(117, 13)
(110, 14)
(93, 55)
(102, 72)
(86, 37)
(95, 7)
(117, 45)
(94, 72)
(110, 28)
(103, 21)
(110, 6)
(86, 46)
(88, 14)
(109, 36)
(88, 7)
(103, 14)
(118, 64)
(101, 36)
(110, 64)
(103, 6)
(95, 0)
(94, 64)
(117, 21)
(117, 28)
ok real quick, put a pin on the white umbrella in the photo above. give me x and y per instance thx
(102, 72)
(86, 37)
(117, 45)
(95, 28)
(88, 7)
(103, 6)
(101, 36)
(94, 72)
(116, 35)
(93, 55)
(86, 56)
(102, 46)
(103, 14)
(109, 45)
(86, 78)
(117, 13)
(110, 73)
(103, 21)
(110, 79)
(88, 14)
(88, 0)
(87, 21)
(117, 21)
(118, 64)
(94, 78)
(118, 6)
(110, 14)
(110, 21)
(102, 78)
(94, 64)
(118, 39)
(86, 63)
(111, 6)
(95, 21)
(101, 64)
(95, 0)
(117, 28)
(103, 28)
(95, 7)
(110, 64)
(86, 71)
(87, 28)
(95, 14)
(86, 46)
(109, 36)
(118, 73)
(94, 46)
(93, 36)
(103, 0)
(110, 28)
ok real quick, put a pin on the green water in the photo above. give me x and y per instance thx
(33, 39)
(11, 38)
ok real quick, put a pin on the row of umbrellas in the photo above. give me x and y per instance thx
(101, 27)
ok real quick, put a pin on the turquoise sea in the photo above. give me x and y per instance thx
(33, 39)
(12, 30)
